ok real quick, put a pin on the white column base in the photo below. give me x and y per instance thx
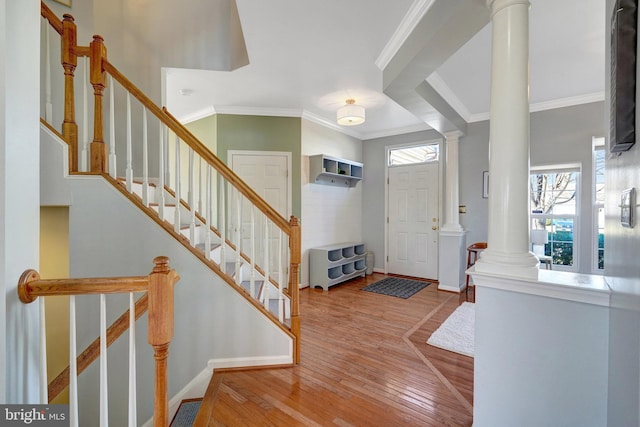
(452, 261)
(517, 265)
(451, 228)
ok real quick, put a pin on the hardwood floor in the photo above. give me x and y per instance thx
(365, 362)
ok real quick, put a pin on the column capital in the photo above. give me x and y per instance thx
(497, 5)
(453, 135)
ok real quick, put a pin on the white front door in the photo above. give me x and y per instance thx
(413, 220)
(267, 173)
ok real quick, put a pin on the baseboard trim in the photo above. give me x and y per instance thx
(379, 270)
(446, 288)
(244, 362)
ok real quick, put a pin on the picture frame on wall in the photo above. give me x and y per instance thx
(64, 2)
(627, 207)
(485, 184)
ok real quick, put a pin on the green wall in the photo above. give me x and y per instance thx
(206, 131)
(261, 133)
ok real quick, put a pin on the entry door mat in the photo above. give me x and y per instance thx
(396, 287)
(186, 413)
(457, 333)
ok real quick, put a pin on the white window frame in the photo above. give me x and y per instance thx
(556, 168)
(437, 143)
(598, 145)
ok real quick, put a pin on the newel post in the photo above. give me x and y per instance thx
(99, 82)
(294, 250)
(161, 281)
(69, 62)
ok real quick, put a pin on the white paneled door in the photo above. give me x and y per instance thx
(413, 220)
(267, 173)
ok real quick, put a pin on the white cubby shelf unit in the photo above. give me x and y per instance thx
(328, 170)
(333, 264)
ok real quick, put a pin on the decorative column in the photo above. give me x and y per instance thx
(452, 242)
(508, 253)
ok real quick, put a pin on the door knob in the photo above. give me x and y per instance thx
(434, 227)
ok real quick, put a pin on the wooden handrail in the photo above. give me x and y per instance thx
(92, 352)
(51, 17)
(30, 286)
(99, 68)
(198, 147)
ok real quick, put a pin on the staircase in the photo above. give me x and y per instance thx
(156, 164)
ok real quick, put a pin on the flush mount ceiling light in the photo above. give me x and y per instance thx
(350, 114)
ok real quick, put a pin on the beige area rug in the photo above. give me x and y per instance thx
(457, 332)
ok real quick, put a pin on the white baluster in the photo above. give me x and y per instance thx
(133, 422)
(167, 162)
(176, 220)
(266, 263)
(161, 164)
(252, 283)
(145, 158)
(280, 279)
(48, 108)
(85, 116)
(73, 367)
(207, 218)
(104, 388)
(200, 185)
(238, 234)
(44, 396)
(112, 131)
(192, 202)
(129, 171)
(223, 224)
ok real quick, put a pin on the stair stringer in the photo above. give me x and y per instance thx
(110, 236)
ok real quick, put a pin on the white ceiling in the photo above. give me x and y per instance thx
(307, 57)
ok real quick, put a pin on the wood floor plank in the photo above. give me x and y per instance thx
(364, 362)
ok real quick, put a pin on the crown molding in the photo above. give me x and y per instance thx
(448, 95)
(549, 105)
(259, 111)
(197, 115)
(407, 25)
(328, 123)
(567, 102)
(397, 131)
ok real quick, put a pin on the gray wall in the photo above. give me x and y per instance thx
(622, 271)
(373, 188)
(562, 135)
(540, 361)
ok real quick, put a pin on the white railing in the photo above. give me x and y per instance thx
(241, 237)
(159, 285)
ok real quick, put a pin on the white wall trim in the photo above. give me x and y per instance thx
(197, 115)
(584, 288)
(549, 105)
(415, 13)
(242, 362)
(452, 99)
(456, 290)
(259, 111)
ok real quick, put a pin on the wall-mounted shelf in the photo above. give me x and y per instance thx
(333, 264)
(328, 170)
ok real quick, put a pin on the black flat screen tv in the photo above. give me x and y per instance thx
(623, 75)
